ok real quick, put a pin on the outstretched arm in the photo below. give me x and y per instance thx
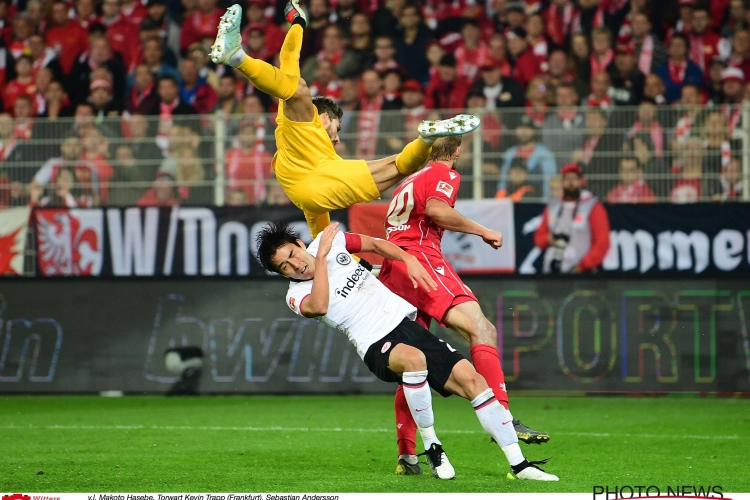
(416, 271)
(450, 219)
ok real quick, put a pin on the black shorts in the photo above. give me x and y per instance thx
(441, 358)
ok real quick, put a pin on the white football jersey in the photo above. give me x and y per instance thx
(359, 304)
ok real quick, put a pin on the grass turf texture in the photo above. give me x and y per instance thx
(595, 441)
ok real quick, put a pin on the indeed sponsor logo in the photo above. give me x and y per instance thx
(359, 274)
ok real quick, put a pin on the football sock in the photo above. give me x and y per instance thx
(413, 156)
(406, 427)
(409, 458)
(317, 222)
(498, 423)
(419, 398)
(486, 360)
(289, 55)
(281, 83)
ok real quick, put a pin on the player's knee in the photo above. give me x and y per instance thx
(474, 385)
(413, 360)
(484, 333)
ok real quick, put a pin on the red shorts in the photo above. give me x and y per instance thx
(451, 290)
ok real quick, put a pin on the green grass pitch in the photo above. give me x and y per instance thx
(346, 444)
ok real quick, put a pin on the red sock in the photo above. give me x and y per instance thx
(487, 363)
(406, 428)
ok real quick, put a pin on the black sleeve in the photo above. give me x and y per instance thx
(365, 264)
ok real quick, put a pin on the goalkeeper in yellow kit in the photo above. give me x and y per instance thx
(314, 177)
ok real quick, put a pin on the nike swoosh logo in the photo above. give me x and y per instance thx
(423, 409)
(509, 421)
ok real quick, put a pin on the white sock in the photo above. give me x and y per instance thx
(410, 459)
(428, 140)
(419, 399)
(498, 423)
(237, 58)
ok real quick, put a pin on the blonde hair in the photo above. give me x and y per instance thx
(445, 148)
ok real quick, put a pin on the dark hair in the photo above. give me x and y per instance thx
(169, 78)
(683, 37)
(327, 105)
(270, 238)
(632, 157)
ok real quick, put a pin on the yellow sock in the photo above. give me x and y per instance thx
(268, 79)
(317, 223)
(289, 55)
(413, 156)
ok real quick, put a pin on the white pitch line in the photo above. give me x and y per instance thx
(343, 429)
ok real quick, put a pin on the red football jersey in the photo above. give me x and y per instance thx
(406, 224)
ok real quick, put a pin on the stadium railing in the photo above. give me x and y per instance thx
(218, 160)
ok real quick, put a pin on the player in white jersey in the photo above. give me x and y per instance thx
(329, 285)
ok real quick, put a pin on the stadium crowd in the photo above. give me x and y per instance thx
(116, 102)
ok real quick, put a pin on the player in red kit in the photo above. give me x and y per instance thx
(421, 210)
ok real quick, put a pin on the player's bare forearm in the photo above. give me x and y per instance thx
(317, 303)
(417, 273)
(383, 248)
(450, 219)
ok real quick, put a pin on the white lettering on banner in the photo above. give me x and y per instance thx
(599, 493)
(677, 242)
(242, 250)
(191, 217)
(623, 243)
(139, 243)
(171, 239)
(727, 249)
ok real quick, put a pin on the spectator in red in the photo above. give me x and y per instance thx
(199, 24)
(6, 32)
(163, 192)
(561, 71)
(705, 43)
(384, 55)
(326, 82)
(602, 54)
(515, 15)
(649, 50)
(43, 57)
(65, 193)
(498, 50)
(142, 97)
(730, 182)
(536, 38)
(255, 41)
(256, 15)
(133, 11)
(23, 84)
(96, 150)
(688, 188)
(685, 22)
(678, 70)
(318, 20)
(449, 90)
(562, 19)
(574, 231)
(691, 107)
(100, 97)
(345, 62)
(85, 13)
(411, 44)
(65, 36)
(632, 188)
(598, 155)
(731, 106)
(170, 105)
(122, 32)
(601, 86)
(525, 64)
(537, 101)
(85, 172)
(471, 52)
(646, 121)
(627, 80)
(248, 164)
(194, 90)
(564, 128)
(41, 83)
(500, 91)
(654, 89)
(399, 128)
(740, 56)
(23, 111)
(370, 107)
(228, 103)
(22, 30)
